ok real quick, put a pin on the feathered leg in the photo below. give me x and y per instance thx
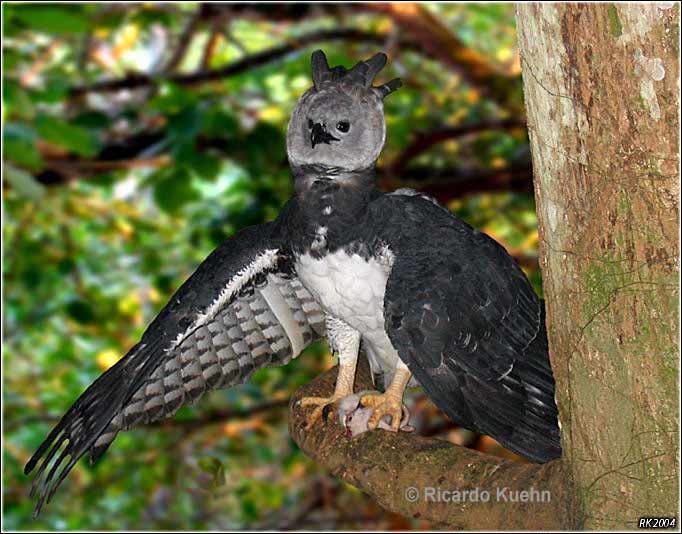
(345, 341)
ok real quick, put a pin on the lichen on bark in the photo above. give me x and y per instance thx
(601, 84)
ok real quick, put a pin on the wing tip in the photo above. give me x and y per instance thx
(42, 448)
(30, 465)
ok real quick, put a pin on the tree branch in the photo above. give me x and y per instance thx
(221, 415)
(442, 183)
(189, 425)
(387, 465)
(437, 41)
(447, 183)
(211, 45)
(185, 39)
(425, 140)
(137, 80)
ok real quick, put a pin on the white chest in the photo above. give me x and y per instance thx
(352, 288)
(349, 287)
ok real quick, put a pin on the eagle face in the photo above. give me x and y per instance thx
(338, 124)
(332, 128)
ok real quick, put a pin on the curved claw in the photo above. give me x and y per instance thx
(383, 405)
(321, 409)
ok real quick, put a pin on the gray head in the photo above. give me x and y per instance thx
(339, 122)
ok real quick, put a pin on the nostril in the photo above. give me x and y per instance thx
(310, 124)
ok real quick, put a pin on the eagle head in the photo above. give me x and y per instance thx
(338, 124)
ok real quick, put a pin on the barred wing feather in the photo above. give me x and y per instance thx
(242, 309)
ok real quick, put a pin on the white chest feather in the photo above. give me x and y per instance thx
(347, 286)
(352, 288)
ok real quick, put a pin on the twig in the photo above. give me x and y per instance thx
(424, 141)
(185, 424)
(184, 40)
(445, 184)
(138, 80)
(211, 45)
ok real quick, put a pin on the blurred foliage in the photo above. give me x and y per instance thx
(97, 235)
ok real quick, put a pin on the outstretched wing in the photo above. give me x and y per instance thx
(241, 310)
(466, 321)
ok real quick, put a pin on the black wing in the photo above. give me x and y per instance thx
(241, 310)
(466, 321)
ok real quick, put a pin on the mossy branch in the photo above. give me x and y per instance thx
(387, 466)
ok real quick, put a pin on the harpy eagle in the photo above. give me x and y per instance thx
(433, 301)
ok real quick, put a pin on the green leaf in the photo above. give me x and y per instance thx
(173, 189)
(18, 142)
(217, 122)
(69, 136)
(16, 101)
(185, 125)
(54, 89)
(172, 99)
(11, 59)
(204, 166)
(93, 120)
(23, 182)
(81, 311)
(22, 153)
(52, 18)
(265, 147)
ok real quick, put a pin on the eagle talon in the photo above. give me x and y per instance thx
(323, 409)
(383, 404)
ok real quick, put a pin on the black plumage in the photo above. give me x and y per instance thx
(455, 308)
(175, 362)
(474, 335)
(458, 309)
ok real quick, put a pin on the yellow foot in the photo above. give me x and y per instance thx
(320, 404)
(383, 405)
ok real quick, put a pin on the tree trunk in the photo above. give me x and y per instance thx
(602, 85)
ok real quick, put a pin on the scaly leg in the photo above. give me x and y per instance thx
(391, 401)
(345, 341)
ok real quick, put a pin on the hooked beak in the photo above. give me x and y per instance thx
(319, 135)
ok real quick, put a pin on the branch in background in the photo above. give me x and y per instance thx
(222, 415)
(431, 37)
(185, 39)
(456, 182)
(444, 184)
(67, 167)
(185, 424)
(135, 81)
(211, 45)
(280, 11)
(429, 34)
(437, 41)
(425, 140)
(386, 465)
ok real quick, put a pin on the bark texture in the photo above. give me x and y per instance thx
(602, 84)
(390, 466)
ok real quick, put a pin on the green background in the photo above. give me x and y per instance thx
(112, 198)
